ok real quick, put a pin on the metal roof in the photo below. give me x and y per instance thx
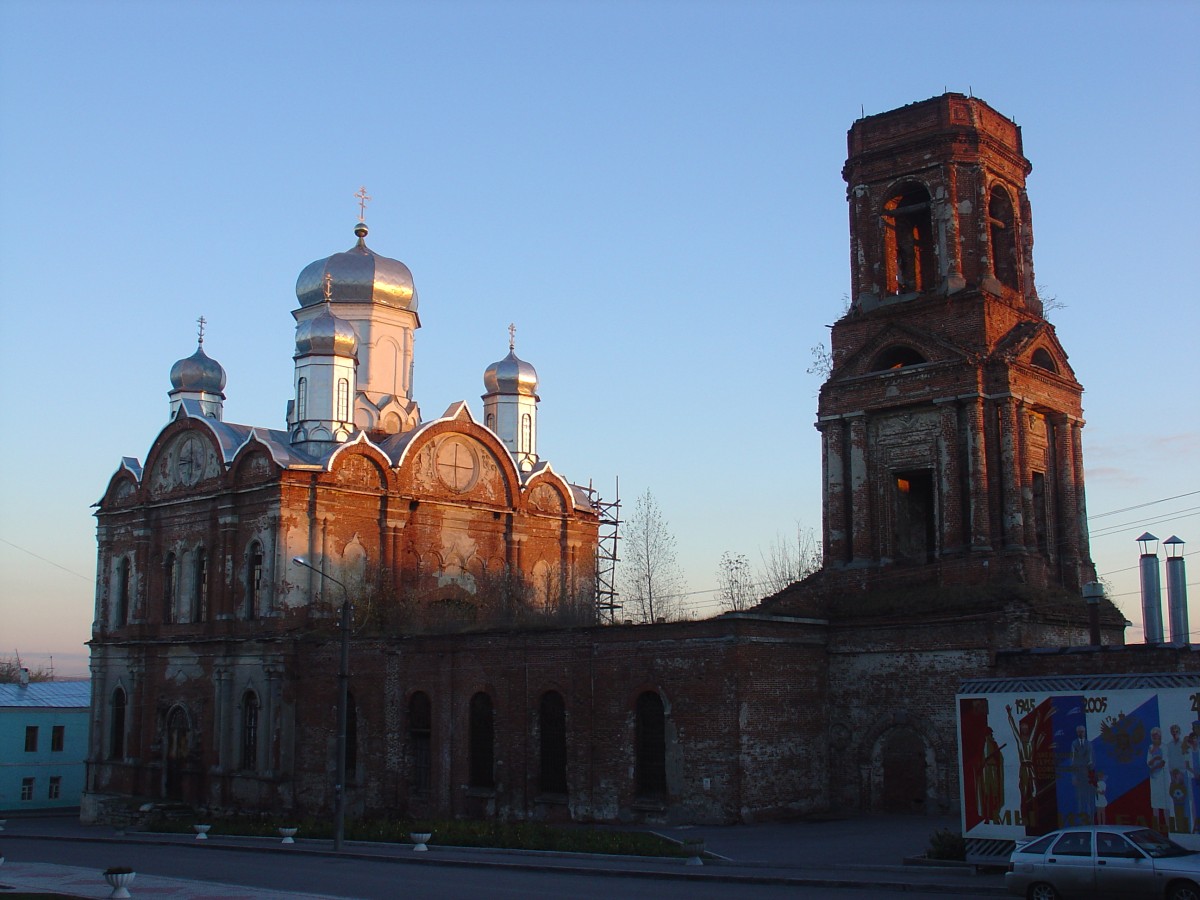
(47, 694)
(1051, 684)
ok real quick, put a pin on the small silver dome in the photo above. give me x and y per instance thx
(359, 275)
(198, 373)
(511, 375)
(326, 334)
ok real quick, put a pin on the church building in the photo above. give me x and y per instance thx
(480, 683)
(228, 552)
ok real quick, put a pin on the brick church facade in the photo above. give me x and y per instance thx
(954, 539)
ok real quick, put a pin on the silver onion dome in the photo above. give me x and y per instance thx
(326, 334)
(511, 375)
(198, 372)
(358, 275)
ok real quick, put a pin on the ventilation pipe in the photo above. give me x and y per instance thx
(1177, 591)
(1151, 589)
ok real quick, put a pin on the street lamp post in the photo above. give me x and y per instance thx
(339, 787)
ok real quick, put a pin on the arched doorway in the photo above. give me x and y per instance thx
(903, 765)
(178, 739)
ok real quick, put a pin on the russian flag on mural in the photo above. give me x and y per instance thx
(1120, 752)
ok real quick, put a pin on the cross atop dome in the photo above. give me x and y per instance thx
(364, 199)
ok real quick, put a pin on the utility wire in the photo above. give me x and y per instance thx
(47, 561)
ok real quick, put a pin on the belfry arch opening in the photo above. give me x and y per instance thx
(915, 534)
(908, 241)
(1002, 228)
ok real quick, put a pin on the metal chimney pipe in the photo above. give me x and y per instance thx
(1177, 591)
(1152, 624)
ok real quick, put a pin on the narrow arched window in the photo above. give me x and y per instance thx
(200, 588)
(254, 578)
(491, 421)
(351, 737)
(301, 399)
(482, 742)
(908, 241)
(249, 730)
(343, 400)
(651, 755)
(552, 727)
(116, 725)
(169, 588)
(1003, 232)
(122, 611)
(420, 732)
(526, 433)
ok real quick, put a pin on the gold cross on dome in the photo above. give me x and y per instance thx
(363, 200)
(512, 335)
(328, 287)
(201, 322)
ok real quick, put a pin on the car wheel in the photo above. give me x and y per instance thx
(1042, 891)
(1183, 890)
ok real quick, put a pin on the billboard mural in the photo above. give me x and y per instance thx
(1045, 753)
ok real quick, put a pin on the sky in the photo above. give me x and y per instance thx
(650, 191)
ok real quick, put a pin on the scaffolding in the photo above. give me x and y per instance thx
(609, 511)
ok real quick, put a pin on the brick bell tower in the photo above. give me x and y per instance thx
(951, 420)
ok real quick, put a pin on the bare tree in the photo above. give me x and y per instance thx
(652, 584)
(735, 583)
(10, 671)
(788, 560)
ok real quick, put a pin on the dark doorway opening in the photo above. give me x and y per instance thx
(904, 784)
(915, 539)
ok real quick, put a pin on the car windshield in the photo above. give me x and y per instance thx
(1155, 844)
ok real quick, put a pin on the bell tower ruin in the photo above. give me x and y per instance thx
(951, 419)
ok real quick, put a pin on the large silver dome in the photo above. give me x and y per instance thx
(198, 372)
(326, 334)
(511, 375)
(359, 275)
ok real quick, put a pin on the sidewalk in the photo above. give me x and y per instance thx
(863, 851)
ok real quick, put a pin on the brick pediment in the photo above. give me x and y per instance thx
(932, 348)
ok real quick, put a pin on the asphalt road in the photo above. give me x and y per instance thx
(388, 879)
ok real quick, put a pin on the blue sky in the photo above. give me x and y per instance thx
(651, 191)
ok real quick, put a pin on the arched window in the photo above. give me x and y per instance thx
(122, 610)
(301, 399)
(526, 433)
(169, 588)
(491, 421)
(552, 725)
(908, 241)
(200, 588)
(254, 577)
(896, 357)
(419, 734)
(1003, 232)
(249, 731)
(116, 725)
(482, 741)
(351, 737)
(343, 400)
(1043, 360)
(651, 737)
